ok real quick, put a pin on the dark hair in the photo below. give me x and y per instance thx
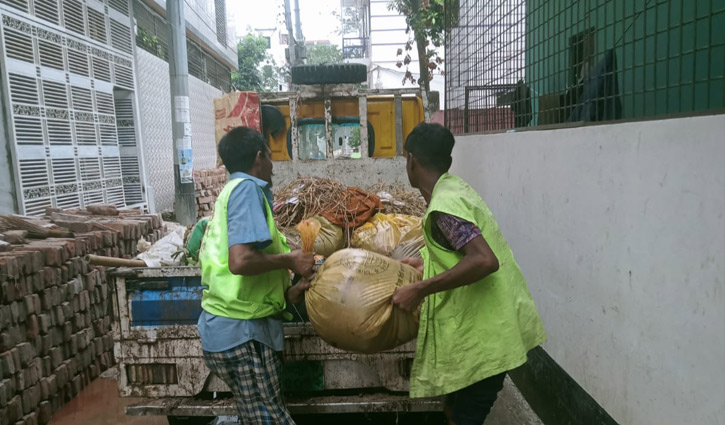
(431, 145)
(238, 149)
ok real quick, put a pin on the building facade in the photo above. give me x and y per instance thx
(70, 124)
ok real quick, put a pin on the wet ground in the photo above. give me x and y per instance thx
(100, 404)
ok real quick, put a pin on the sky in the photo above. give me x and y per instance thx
(318, 23)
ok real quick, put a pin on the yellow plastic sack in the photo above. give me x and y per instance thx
(394, 235)
(330, 239)
(349, 302)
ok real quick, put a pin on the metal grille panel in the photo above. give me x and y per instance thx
(17, 4)
(119, 5)
(51, 54)
(101, 69)
(59, 132)
(121, 37)
(47, 9)
(97, 26)
(74, 16)
(62, 114)
(28, 131)
(19, 46)
(55, 95)
(23, 89)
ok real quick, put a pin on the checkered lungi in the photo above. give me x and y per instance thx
(252, 372)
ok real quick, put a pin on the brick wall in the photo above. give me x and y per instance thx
(55, 312)
(207, 185)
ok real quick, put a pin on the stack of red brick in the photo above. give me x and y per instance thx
(207, 186)
(55, 314)
(129, 227)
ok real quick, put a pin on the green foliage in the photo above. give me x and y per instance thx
(323, 53)
(354, 141)
(350, 21)
(149, 42)
(426, 20)
(257, 70)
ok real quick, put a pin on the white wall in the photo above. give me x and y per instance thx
(620, 232)
(7, 185)
(154, 103)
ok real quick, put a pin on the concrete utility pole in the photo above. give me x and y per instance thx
(185, 205)
(292, 43)
(298, 22)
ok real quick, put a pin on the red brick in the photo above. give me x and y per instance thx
(53, 253)
(72, 366)
(77, 227)
(74, 344)
(22, 289)
(7, 365)
(24, 261)
(7, 292)
(56, 296)
(7, 391)
(33, 260)
(37, 281)
(46, 343)
(32, 330)
(20, 383)
(64, 273)
(10, 337)
(56, 357)
(15, 409)
(67, 310)
(59, 316)
(68, 244)
(5, 316)
(47, 367)
(37, 305)
(31, 418)
(8, 267)
(61, 375)
(26, 353)
(67, 331)
(16, 237)
(45, 412)
(15, 310)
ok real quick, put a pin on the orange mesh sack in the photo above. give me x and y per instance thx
(349, 302)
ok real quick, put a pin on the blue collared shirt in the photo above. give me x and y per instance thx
(246, 224)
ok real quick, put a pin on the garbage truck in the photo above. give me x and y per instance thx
(341, 131)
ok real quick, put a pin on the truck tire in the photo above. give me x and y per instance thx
(341, 73)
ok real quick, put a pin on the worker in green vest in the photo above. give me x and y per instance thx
(478, 319)
(244, 265)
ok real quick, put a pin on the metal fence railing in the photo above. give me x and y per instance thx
(527, 63)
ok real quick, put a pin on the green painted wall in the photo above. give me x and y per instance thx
(670, 54)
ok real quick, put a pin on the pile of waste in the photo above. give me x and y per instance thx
(384, 219)
(348, 302)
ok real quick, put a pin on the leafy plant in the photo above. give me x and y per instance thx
(257, 70)
(149, 42)
(323, 53)
(426, 25)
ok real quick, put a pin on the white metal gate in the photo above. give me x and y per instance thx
(68, 89)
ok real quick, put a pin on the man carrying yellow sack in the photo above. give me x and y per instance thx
(478, 319)
(244, 264)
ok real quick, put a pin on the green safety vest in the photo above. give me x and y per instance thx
(235, 296)
(476, 331)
